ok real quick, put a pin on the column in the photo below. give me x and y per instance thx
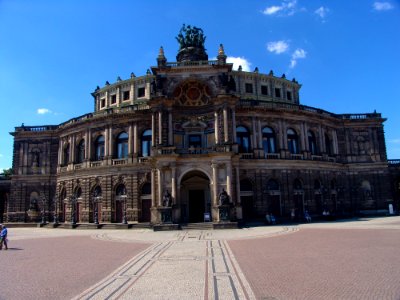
(214, 167)
(153, 188)
(135, 139)
(259, 135)
(72, 150)
(302, 136)
(229, 179)
(110, 137)
(321, 139)
(106, 148)
(305, 133)
(89, 145)
(60, 151)
(284, 135)
(130, 138)
(170, 130)
(216, 127)
(335, 142)
(254, 133)
(225, 115)
(118, 96)
(107, 99)
(237, 186)
(153, 129)
(173, 184)
(132, 93)
(160, 141)
(159, 174)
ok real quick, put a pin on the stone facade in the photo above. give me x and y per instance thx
(192, 129)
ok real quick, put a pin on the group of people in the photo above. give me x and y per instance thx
(3, 237)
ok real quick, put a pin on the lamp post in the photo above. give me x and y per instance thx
(73, 200)
(96, 200)
(43, 212)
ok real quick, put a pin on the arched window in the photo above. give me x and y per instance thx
(122, 145)
(292, 140)
(121, 190)
(99, 148)
(97, 191)
(243, 139)
(80, 152)
(146, 189)
(78, 192)
(273, 185)
(269, 140)
(312, 143)
(66, 155)
(328, 145)
(146, 143)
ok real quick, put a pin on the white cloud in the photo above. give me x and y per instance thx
(239, 61)
(277, 47)
(380, 6)
(297, 54)
(321, 12)
(287, 7)
(43, 111)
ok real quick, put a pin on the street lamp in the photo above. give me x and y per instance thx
(43, 212)
(73, 200)
(96, 200)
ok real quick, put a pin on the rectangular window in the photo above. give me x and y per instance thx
(249, 88)
(264, 90)
(102, 103)
(141, 92)
(289, 95)
(113, 99)
(125, 95)
(277, 92)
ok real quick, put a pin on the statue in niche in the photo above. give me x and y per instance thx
(167, 199)
(223, 198)
(33, 205)
(35, 159)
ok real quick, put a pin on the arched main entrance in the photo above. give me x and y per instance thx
(195, 199)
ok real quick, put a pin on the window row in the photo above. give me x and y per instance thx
(120, 148)
(269, 142)
(126, 95)
(265, 91)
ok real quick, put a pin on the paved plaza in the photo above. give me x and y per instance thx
(354, 259)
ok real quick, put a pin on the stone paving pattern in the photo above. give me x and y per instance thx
(356, 259)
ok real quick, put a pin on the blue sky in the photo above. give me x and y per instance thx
(53, 54)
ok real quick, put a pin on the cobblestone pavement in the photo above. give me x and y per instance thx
(357, 259)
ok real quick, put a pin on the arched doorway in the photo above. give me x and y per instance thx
(120, 203)
(274, 198)
(195, 198)
(246, 198)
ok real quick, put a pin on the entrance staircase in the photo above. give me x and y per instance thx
(198, 226)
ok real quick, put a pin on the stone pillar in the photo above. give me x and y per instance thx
(216, 127)
(132, 93)
(60, 151)
(254, 133)
(214, 167)
(118, 96)
(225, 115)
(321, 139)
(160, 128)
(259, 135)
(229, 179)
(305, 133)
(153, 188)
(170, 130)
(335, 142)
(159, 174)
(89, 145)
(153, 129)
(130, 140)
(135, 139)
(302, 135)
(72, 150)
(106, 144)
(107, 99)
(110, 140)
(173, 184)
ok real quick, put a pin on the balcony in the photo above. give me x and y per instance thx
(119, 161)
(272, 155)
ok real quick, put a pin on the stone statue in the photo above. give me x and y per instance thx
(167, 199)
(223, 198)
(33, 205)
(190, 37)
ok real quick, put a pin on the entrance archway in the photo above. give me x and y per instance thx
(195, 199)
(246, 198)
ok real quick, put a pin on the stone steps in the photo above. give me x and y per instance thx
(198, 226)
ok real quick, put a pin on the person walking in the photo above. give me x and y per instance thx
(3, 237)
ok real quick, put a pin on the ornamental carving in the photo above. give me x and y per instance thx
(192, 93)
